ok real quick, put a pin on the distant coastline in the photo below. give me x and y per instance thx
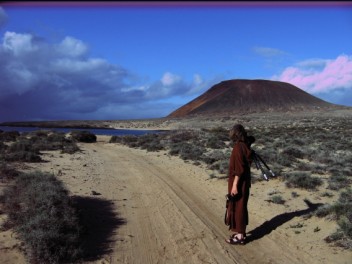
(60, 124)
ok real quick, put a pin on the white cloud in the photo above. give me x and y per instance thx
(72, 47)
(268, 52)
(312, 63)
(74, 65)
(170, 79)
(197, 79)
(330, 75)
(18, 43)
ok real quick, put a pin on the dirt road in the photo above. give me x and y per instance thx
(149, 207)
(172, 212)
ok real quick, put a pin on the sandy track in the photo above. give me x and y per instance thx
(165, 221)
(169, 211)
(173, 213)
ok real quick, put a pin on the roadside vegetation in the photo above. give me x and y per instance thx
(41, 212)
(38, 206)
(309, 155)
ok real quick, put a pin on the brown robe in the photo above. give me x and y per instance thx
(239, 165)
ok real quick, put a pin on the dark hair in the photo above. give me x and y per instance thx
(250, 140)
(238, 133)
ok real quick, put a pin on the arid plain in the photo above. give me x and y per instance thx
(152, 207)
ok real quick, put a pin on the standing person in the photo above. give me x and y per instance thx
(239, 182)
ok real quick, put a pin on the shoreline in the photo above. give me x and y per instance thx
(264, 119)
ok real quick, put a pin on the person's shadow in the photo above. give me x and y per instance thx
(268, 226)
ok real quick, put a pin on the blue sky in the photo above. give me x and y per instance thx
(130, 60)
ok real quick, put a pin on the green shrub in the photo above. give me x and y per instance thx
(324, 210)
(7, 172)
(183, 136)
(293, 152)
(42, 213)
(302, 180)
(150, 142)
(342, 212)
(23, 155)
(83, 136)
(214, 156)
(69, 148)
(175, 149)
(3, 146)
(223, 166)
(337, 182)
(115, 139)
(130, 140)
(285, 161)
(215, 143)
(23, 145)
(9, 136)
(277, 199)
(191, 152)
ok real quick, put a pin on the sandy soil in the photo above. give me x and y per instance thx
(149, 207)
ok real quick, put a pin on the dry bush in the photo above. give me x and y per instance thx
(83, 136)
(27, 147)
(341, 210)
(9, 135)
(302, 180)
(42, 213)
(7, 172)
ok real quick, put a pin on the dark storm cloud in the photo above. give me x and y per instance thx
(41, 81)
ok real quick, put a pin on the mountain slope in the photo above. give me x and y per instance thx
(245, 96)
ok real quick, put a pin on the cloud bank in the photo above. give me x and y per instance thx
(50, 81)
(320, 76)
(328, 79)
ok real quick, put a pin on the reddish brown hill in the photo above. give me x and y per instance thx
(248, 96)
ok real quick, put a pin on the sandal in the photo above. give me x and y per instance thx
(233, 240)
(233, 235)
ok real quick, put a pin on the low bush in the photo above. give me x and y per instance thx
(9, 135)
(83, 136)
(7, 172)
(277, 199)
(191, 152)
(342, 212)
(69, 148)
(150, 142)
(131, 141)
(183, 136)
(302, 180)
(23, 145)
(215, 143)
(221, 166)
(115, 139)
(175, 149)
(22, 155)
(293, 152)
(324, 210)
(213, 156)
(3, 146)
(338, 181)
(43, 215)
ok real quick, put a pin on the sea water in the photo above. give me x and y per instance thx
(96, 131)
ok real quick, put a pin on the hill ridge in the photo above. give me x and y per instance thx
(244, 95)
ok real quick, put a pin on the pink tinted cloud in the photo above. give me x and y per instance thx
(335, 74)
